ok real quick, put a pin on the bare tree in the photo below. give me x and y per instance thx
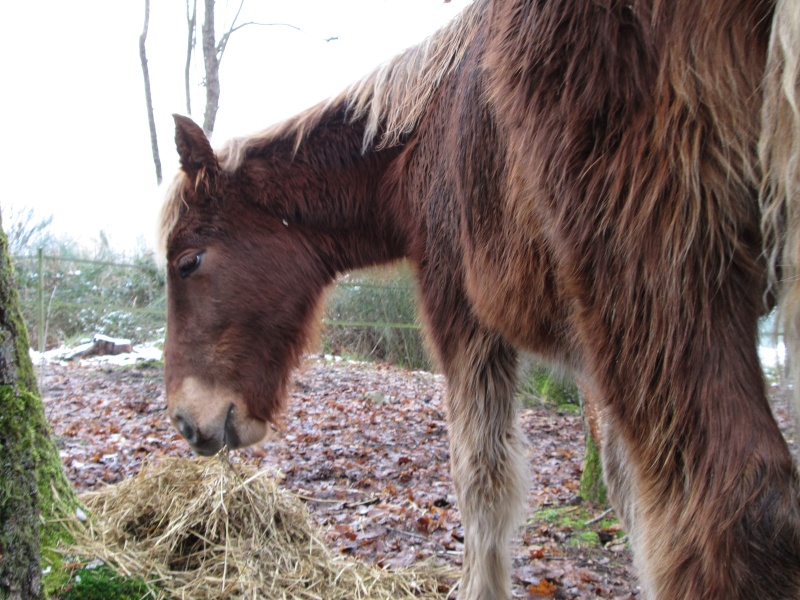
(191, 26)
(213, 51)
(211, 58)
(148, 97)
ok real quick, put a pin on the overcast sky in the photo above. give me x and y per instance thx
(75, 137)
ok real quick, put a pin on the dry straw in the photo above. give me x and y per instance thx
(209, 529)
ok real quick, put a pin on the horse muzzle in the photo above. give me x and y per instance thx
(210, 418)
(203, 444)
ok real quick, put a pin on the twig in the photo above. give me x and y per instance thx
(344, 503)
(42, 359)
(616, 542)
(312, 499)
(416, 535)
(367, 502)
(599, 517)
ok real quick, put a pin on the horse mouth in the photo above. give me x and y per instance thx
(230, 437)
(210, 418)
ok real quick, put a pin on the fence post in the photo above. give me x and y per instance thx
(40, 256)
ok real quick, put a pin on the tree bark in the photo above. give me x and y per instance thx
(211, 61)
(593, 487)
(148, 97)
(558, 391)
(34, 491)
(191, 24)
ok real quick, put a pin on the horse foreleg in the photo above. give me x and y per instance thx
(486, 456)
(705, 484)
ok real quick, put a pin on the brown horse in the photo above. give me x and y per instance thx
(577, 179)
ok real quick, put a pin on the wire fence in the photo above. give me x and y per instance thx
(64, 299)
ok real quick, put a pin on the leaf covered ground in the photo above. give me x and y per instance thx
(365, 446)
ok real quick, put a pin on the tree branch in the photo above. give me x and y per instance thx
(213, 52)
(224, 40)
(148, 97)
(191, 24)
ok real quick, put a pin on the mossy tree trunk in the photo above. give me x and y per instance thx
(593, 488)
(34, 491)
(549, 388)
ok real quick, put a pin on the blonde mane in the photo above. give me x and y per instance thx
(391, 99)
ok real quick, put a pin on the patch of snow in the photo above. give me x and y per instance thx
(57, 355)
(115, 341)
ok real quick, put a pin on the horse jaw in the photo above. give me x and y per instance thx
(210, 417)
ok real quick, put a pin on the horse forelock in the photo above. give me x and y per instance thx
(174, 200)
(390, 100)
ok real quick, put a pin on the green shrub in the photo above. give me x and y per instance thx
(541, 385)
(384, 303)
(92, 292)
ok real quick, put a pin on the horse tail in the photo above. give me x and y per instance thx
(779, 154)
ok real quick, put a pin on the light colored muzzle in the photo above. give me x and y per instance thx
(210, 417)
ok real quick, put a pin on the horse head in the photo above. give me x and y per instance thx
(243, 286)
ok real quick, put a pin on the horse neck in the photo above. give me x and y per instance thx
(337, 193)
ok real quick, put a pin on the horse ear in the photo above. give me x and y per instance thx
(194, 149)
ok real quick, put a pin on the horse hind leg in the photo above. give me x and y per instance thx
(487, 461)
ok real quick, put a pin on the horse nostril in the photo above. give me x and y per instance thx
(186, 429)
(231, 437)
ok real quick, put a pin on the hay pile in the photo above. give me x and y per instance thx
(209, 529)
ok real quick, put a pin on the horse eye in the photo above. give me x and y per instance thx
(189, 264)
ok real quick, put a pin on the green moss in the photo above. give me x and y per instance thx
(547, 514)
(55, 577)
(13, 324)
(607, 523)
(103, 584)
(33, 482)
(566, 517)
(35, 495)
(19, 527)
(23, 420)
(29, 459)
(583, 539)
(593, 488)
(571, 521)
